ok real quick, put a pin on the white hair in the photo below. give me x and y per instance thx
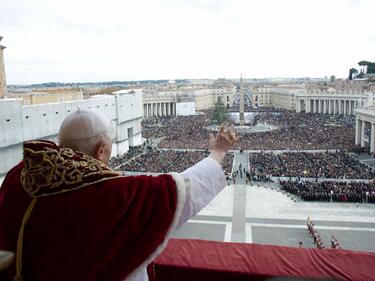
(85, 130)
(87, 145)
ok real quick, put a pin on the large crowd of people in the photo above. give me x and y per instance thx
(183, 132)
(132, 152)
(295, 131)
(318, 165)
(330, 190)
(302, 131)
(164, 161)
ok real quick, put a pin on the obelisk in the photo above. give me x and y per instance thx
(242, 118)
(3, 85)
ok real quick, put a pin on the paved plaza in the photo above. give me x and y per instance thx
(264, 214)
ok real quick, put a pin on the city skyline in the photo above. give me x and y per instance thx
(150, 40)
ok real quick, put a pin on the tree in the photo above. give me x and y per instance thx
(369, 66)
(219, 114)
(352, 73)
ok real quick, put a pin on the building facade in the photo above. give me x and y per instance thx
(342, 103)
(50, 96)
(283, 98)
(262, 97)
(19, 123)
(159, 104)
(365, 127)
(162, 102)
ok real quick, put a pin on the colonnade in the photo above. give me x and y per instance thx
(159, 109)
(328, 106)
(365, 133)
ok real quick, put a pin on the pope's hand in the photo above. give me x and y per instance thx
(222, 142)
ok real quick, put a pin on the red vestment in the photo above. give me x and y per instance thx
(88, 223)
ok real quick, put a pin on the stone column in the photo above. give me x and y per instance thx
(330, 106)
(345, 108)
(3, 85)
(308, 106)
(334, 106)
(358, 130)
(372, 139)
(363, 133)
(172, 111)
(349, 107)
(298, 105)
(324, 106)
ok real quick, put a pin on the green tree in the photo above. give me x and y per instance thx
(219, 114)
(352, 71)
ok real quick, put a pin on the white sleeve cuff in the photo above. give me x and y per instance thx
(206, 180)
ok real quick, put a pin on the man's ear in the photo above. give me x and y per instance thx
(99, 151)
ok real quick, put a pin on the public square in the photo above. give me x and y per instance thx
(265, 215)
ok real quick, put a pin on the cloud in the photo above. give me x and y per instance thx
(133, 40)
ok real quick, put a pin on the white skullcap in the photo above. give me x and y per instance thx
(84, 124)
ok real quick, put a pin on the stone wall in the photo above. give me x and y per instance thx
(20, 123)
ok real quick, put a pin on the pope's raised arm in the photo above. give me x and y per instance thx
(206, 179)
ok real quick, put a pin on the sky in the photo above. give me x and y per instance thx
(107, 40)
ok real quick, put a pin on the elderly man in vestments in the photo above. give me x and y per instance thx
(68, 216)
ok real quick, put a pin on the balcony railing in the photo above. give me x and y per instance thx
(187, 260)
